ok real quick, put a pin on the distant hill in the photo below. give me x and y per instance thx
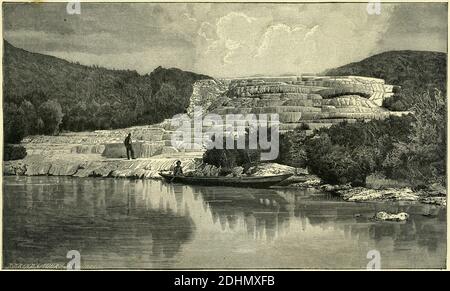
(92, 97)
(405, 68)
(414, 71)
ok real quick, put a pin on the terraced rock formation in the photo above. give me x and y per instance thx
(317, 101)
(309, 102)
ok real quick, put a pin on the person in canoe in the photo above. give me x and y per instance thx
(129, 147)
(177, 171)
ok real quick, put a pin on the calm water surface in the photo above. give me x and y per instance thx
(118, 223)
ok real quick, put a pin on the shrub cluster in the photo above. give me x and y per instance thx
(411, 147)
(13, 152)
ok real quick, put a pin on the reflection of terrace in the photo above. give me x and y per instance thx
(221, 209)
(95, 216)
(270, 214)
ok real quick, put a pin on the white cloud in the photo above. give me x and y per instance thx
(311, 39)
(207, 31)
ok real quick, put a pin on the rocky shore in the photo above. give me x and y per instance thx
(90, 165)
(86, 166)
(434, 194)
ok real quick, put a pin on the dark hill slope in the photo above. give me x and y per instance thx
(409, 69)
(415, 71)
(92, 97)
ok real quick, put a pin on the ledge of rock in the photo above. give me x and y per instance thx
(384, 216)
(440, 201)
(306, 181)
(360, 194)
(271, 169)
(145, 168)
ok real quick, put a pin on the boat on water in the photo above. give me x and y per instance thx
(244, 181)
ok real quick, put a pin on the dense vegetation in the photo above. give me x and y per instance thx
(227, 159)
(410, 148)
(415, 71)
(13, 152)
(44, 95)
(346, 152)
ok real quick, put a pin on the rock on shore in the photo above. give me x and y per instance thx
(360, 194)
(384, 216)
(271, 169)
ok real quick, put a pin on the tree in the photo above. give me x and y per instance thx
(337, 164)
(14, 123)
(51, 114)
(422, 159)
(31, 117)
(14, 152)
(292, 148)
(349, 152)
(166, 103)
(37, 97)
(104, 116)
(139, 108)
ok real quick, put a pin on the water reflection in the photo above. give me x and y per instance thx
(118, 223)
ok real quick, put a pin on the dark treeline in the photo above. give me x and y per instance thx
(46, 95)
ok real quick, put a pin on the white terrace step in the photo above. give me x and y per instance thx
(281, 109)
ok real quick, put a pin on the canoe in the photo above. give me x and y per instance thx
(248, 182)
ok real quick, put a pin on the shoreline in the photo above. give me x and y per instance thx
(79, 166)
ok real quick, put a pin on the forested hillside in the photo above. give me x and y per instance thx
(45, 94)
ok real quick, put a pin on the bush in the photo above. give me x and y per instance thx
(396, 103)
(409, 148)
(422, 158)
(403, 100)
(13, 152)
(337, 164)
(14, 123)
(31, 118)
(51, 114)
(305, 126)
(292, 149)
(345, 152)
(230, 158)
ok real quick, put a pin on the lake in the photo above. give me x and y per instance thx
(149, 224)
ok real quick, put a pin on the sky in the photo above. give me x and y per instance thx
(224, 39)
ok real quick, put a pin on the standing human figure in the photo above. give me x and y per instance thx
(129, 147)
